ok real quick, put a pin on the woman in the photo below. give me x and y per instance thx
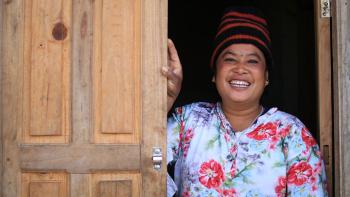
(236, 147)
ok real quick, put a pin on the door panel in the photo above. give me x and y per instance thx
(116, 71)
(46, 71)
(116, 185)
(83, 100)
(44, 184)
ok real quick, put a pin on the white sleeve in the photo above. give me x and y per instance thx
(171, 186)
(172, 146)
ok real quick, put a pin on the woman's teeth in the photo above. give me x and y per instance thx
(239, 84)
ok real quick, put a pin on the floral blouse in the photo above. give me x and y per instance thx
(275, 156)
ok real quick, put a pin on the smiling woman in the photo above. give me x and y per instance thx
(237, 146)
(292, 78)
(241, 68)
(240, 79)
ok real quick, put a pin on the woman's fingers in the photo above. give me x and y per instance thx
(173, 59)
(173, 72)
(173, 82)
(174, 69)
(172, 52)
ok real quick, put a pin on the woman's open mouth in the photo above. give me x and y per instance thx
(239, 84)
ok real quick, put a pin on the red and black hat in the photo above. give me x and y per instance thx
(242, 25)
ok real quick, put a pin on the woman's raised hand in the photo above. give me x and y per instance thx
(173, 72)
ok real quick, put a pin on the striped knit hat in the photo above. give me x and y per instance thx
(242, 25)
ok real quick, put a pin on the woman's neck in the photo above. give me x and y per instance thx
(241, 117)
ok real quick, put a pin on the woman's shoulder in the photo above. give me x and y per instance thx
(195, 110)
(275, 114)
(196, 107)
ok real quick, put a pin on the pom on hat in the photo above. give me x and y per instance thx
(242, 25)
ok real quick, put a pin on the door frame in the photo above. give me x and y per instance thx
(336, 81)
(324, 90)
(341, 95)
(1, 29)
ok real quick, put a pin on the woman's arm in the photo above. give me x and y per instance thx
(305, 168)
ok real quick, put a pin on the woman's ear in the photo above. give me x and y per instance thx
(267, 78)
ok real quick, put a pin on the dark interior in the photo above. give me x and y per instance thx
(292, 88)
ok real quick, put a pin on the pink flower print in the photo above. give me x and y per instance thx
(280, 189)
(318, 168)
(233, 169)
(229, 192)
(299, 173)
(313, 179)
(233, 149)
(211, 174)
(227, 137)
(307, 138)
(263, 131)
(186, 194)
(272, 146)
(285, 131)
(186, 141)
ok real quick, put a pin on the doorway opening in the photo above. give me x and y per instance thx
(292, 88)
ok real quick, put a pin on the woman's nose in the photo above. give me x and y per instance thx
(240, 68)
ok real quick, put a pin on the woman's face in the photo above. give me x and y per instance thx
(241, 74)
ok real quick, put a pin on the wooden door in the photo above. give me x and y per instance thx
(83, 102)
(324, 90)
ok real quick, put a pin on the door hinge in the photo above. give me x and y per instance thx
(157, 158)
(325, 8)
(326, 154)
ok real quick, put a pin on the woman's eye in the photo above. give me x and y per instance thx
(253, 61)
(228, 59)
